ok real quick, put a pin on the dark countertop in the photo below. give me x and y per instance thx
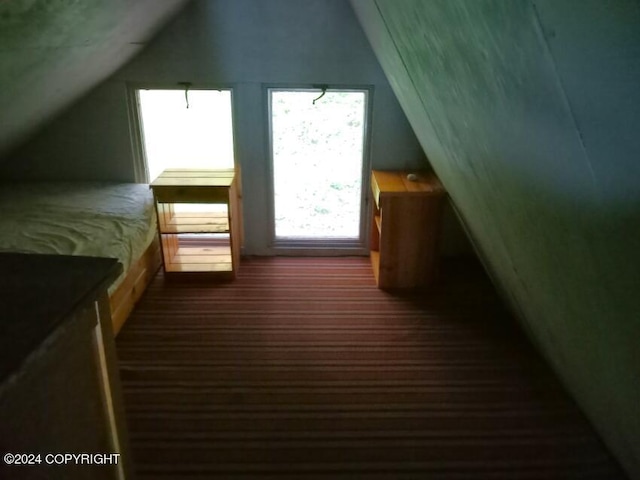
(38, 293)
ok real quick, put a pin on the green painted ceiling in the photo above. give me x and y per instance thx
(529, 111)
(53, 51)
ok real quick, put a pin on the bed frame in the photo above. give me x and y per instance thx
(124, 298)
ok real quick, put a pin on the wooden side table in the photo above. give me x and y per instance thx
(405, 227)
(198, 222)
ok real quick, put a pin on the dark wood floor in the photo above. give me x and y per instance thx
(303, 369)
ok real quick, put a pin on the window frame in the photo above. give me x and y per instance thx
(139, 154)
(321, 246)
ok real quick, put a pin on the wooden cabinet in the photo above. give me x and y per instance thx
(199, 221)
(59, 380)
(405, 225)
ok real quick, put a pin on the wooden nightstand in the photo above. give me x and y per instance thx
(198, 222)
(405, 226)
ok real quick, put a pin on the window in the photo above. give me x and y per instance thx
(318, 152)
(185, 129)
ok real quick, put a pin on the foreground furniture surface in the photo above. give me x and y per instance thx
(59, 382)
(405, 224)
(198, 222)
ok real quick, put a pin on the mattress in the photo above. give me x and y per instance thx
(78, 218)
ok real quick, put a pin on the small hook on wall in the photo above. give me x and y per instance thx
(324, 91)
(186, 86)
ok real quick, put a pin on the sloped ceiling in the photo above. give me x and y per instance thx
(529, 111)
(54, 51)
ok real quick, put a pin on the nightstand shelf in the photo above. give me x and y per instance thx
(192, 222)
(405, 224)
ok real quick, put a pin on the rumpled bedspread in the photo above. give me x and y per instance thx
(77, 218)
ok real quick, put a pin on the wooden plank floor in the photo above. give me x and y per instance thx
(303, 369)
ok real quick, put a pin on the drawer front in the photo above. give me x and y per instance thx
(191, 194)
(375, 189)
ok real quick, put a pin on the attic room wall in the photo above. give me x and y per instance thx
(243, 44)
(529, 112)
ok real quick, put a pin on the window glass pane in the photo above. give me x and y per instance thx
(317, 163)
(175, 136)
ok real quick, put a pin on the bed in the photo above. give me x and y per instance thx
(95, 219)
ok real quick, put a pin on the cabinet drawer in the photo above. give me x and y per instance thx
(375, 189)
(389, 183)
(187, 194)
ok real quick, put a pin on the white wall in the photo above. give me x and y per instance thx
(243, 44)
